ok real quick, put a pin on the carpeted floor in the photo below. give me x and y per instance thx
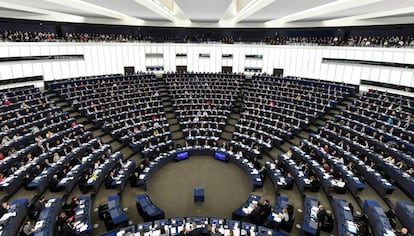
(171, 189)
(226, 187)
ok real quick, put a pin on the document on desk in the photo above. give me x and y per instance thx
(313, 224)
(79, 212)
(6, 216)
(351, 227)
(155, 233)
(248, 209)
(314, 212)
(39, 225)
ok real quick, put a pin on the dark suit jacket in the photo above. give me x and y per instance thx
(321, 215)
(2, 211)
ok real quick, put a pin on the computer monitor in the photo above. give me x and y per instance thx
(220, 156)
(182, 156)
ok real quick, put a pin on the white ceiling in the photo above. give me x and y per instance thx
(215, 13)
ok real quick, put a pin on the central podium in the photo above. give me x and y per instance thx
(198, 194)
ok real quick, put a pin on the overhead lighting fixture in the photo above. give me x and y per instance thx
(159, 8)
(331, 7)
(89, 7)
(246, 8)
(250, 8)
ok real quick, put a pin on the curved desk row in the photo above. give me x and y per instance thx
(275, 217)
(344, 218)
(244, 210)
(122, 176)
(301, 179)
(378, 221)
(371, 176)
(354, 183)
(83, 222)
(147, 209)
(275, 175)
(10, 222)
(405, 212)
(112, 213)
(45, 224)
(174, 226)
(242, 162)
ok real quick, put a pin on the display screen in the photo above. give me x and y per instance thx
(220, 156)
(182, 156)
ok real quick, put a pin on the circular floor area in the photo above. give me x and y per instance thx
(226, 187)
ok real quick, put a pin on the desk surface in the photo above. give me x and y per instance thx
(310, 225)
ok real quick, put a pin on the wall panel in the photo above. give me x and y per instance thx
(304, 61)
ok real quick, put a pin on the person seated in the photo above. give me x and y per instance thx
(135, 181)
(285, 216)
(70, 208)
(289, 181)
(410, 171)
(255, 214)
(109, 179)
(321, 215)
(68, 228)
(265, 211)
(39, 205)
(83, 183)
(315, 185)
(257, 165)
(4, 208)
(53, 184)
(28, 229)
(140, 169)
(362, 227)
(340, 186)
(61, 220)
(403, 232)
(260, 212)
(262, 172)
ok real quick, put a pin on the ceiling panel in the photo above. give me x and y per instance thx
(207, 13)
(53, 7)
(281, 8)
(367, 9)
(4, 12)
(203, 10)
(128, 7)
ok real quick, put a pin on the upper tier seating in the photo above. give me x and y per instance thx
(128, 107)
(202, 103)
(277, 108)
(380, 134)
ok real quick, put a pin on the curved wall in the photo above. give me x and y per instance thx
(303, 61)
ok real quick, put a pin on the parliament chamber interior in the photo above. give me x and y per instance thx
(253, 126)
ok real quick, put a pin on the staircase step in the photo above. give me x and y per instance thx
(116, 146)
(230, 128)
(89, 126)
(235, 116)
(74, 114)
(82, 120)
(175, 128)
(177, 135)
(98, 133)
(68, 109)
(126, 152)
(231, 122)
(313, 129)
(170, 115)
(226, 135)
(107, 138)
(166, 103)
